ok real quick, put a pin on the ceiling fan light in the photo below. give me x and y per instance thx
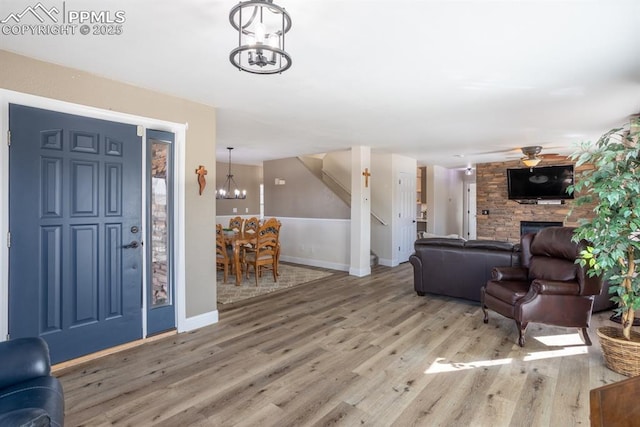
(531, 162)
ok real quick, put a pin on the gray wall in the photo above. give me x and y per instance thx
(302, 196)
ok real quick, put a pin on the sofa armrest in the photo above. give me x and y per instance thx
(23, 359)
(31, 417)
(416, 262)
(509, 273)
(555, 287)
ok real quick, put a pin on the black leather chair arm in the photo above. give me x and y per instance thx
(555, 287)
(510, 273)
(23, 359)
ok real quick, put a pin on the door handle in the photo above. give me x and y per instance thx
(134, 244)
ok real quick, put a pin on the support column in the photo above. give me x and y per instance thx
(360, 211)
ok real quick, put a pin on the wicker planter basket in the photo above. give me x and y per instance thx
(620, 355)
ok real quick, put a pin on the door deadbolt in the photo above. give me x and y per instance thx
(134, 229)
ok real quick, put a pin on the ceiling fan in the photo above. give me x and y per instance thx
(532, 156)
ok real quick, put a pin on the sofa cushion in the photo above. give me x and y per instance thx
(547, 268)
(555, 242)
(508, 291)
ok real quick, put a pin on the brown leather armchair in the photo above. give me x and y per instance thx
(548, 287)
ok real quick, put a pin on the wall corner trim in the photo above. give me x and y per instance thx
(199, 321)
(360, 272)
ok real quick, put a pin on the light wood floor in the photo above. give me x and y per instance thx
(345, 351)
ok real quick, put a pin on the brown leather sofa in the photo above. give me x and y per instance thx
(459, 268)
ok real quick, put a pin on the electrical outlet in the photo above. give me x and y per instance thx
(246, 210)
(485, 211)
(235, 210)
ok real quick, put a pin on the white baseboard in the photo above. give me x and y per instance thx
(315, 263)
(388, 262)
(199, 321)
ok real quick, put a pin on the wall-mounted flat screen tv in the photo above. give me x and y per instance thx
(543, 183)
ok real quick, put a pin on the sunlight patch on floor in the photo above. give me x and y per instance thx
(563, 346)
(560, 340)
(567, 351)
(438, 367)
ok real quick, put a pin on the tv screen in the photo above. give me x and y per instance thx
(547, 182)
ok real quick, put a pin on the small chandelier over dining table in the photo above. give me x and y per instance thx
(261, 26)
(226, 192)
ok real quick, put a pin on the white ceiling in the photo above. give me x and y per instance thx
(432, 80)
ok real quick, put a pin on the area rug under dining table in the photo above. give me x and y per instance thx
(290, 276)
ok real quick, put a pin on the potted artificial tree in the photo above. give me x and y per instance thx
(612, 185)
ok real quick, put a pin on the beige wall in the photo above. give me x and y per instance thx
(302, 196)
(248, 178)
(25, 75)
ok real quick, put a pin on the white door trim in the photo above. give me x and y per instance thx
(11, 97)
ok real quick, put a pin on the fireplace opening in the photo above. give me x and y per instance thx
(535, 226)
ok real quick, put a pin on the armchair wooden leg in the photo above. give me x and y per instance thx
(585, 336)
(522, 330)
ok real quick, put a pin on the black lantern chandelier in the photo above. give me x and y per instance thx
(261, 28)
(226, 192)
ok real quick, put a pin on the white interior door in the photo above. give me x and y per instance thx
(406, 215)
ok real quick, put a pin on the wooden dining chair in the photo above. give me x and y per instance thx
(251, 225)
(223, 260)
(236, 223)
(277, 261)
(264, 254)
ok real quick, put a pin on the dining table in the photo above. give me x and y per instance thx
(237, 239)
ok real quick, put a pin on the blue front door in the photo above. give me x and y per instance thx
(75, 256)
